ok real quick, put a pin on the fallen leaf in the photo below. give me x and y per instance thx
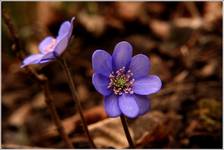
(109, 133)
(92, 115)
(129, 10)
(208, 69)
(160, 28)
(154, 127)
(93, 23)
(20, 115)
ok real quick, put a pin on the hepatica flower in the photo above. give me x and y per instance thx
(51, 47)
(124, 81)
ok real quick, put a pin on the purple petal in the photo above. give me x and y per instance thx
(63, 37)
(48, 57)
(140, 66)
(71, 28)
(32, 59)
(111, 106)
(122, 55)
(128, 105)
(143, 103)
(100, 83)
(45, 43)
(62, 43)
(147, 85)
(65, 28)
(102, 62)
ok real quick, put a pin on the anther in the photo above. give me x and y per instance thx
(121, 81)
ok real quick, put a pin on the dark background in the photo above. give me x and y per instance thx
(183, 40)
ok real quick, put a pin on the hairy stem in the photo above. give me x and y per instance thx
(127, 134)
(75, 97)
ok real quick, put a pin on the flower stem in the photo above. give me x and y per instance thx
(41, 79)
(127, 134)
(75, 97)
(55, 117)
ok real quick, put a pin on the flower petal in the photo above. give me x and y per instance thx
(48, 57)
(122, 55)
(71, 28)
(62, 43)
(32, 59)
(100, 83)
(45, 43)
(128, 105)
(65, 28)
(143, 103)
(147, 85)
(102, 62)
(63, 37)
(140, 66)
(111, 105)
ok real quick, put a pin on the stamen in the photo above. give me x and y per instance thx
(121, 82)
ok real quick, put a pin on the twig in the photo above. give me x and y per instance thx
(16, 46)
(55, 117)
(127, 134)
(75, 98)
(41, 79)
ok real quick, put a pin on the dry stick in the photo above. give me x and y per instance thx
(75, 98)
(41, 79)
(127, 134)
(12, 31)
(51, 107)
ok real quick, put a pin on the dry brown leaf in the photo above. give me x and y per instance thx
(12, 97)
(129, 10)
(38, 101)
(208, 69)
(109, 133)
(160, 28)
(150, 127)
(92, 115)
(147, 124)
(46, 12)
(193, 23)
(155, 126)
(181, 76)
(20, 115)
(213, 11)
(83, 92)
(93, 23)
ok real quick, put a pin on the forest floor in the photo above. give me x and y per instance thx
(182, 40)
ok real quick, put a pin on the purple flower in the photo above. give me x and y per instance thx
(51, 47)
(124, 81)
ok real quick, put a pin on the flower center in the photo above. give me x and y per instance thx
(50, 46)
(121, 81)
